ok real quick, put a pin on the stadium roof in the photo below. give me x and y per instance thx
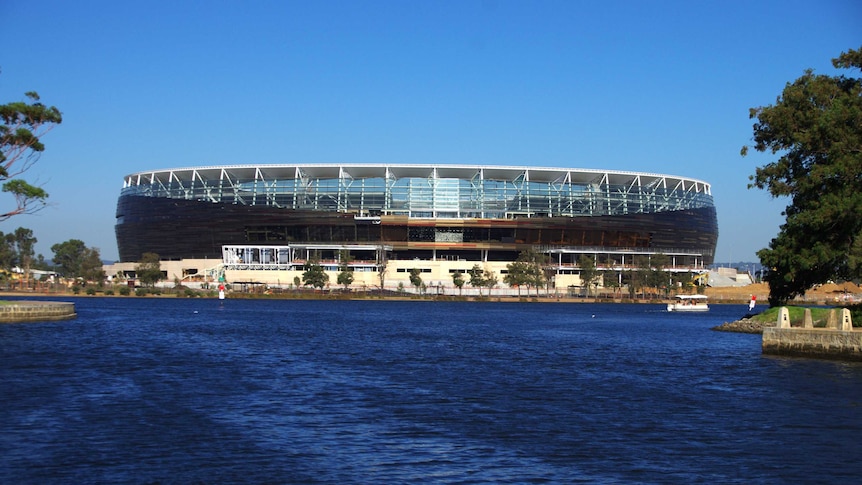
(577, 176)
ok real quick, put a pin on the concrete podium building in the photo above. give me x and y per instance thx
(262, 223)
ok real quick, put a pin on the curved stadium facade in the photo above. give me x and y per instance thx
(437, 217)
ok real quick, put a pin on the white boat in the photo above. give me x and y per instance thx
(689, 303)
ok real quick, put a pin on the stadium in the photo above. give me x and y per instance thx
(261, 224)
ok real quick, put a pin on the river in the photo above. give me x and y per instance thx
(163, 390)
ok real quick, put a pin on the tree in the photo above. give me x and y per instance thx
(345, 278)
(345, 274)
(658, 277)
(91, 266)
(490, 280)
(68, 256)
(7, 252)
(23, 242)
(415, 279)
(24, 123)
(816, 126)
(458, 280)
(517, 274)
(526, 270)
(314, 275)
(149, 269)
(477, 277)
(382, 262)
(589, 274)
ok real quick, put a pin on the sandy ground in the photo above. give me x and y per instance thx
(828, 292)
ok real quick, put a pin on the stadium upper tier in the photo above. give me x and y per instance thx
(420, 211)
(428, 191)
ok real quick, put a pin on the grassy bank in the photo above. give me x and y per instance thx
(819, 315)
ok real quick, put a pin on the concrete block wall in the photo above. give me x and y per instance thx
(837, 341)
(32, 311)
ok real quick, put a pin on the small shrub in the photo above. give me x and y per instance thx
(109, 292)
(76, 289)
(141, 292)
(91, 291)
(125, 291)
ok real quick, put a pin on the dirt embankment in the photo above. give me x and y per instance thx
(827, 293)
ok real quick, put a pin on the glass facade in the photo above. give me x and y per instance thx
(189, 213)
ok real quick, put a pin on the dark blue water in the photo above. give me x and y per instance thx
(190, 391)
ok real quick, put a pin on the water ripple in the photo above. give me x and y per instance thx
(190, 391)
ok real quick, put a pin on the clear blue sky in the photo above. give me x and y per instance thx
(656, 86)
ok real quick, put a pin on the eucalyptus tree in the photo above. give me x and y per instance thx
(69, 256)
(91, 266)
(22, 126)
(23, 245)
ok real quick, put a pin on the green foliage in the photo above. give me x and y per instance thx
(149, 269)
(18, 249)
(125, 290)
(76, 289)
(819, 316)
(8, 256)
(22, 125)
(458, 280)
(109, 292)
(345, 275)
(141, 292)
(415, 279)
(518, 274)
(527, 270)
(816, 126)
(649, 276)
(589, 274)
(856, 314)
(314, 275)
(69, 256)
(477, 277)
(345, 278)
(90, 291)
(490, 280)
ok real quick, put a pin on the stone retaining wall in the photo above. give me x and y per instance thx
(32, 311)
(838, 341)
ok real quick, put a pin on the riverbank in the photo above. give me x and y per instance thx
(743, 325)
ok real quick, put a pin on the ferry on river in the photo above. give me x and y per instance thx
(689, 303)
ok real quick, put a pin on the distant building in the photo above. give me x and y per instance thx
(724, 277)
(263, 223)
